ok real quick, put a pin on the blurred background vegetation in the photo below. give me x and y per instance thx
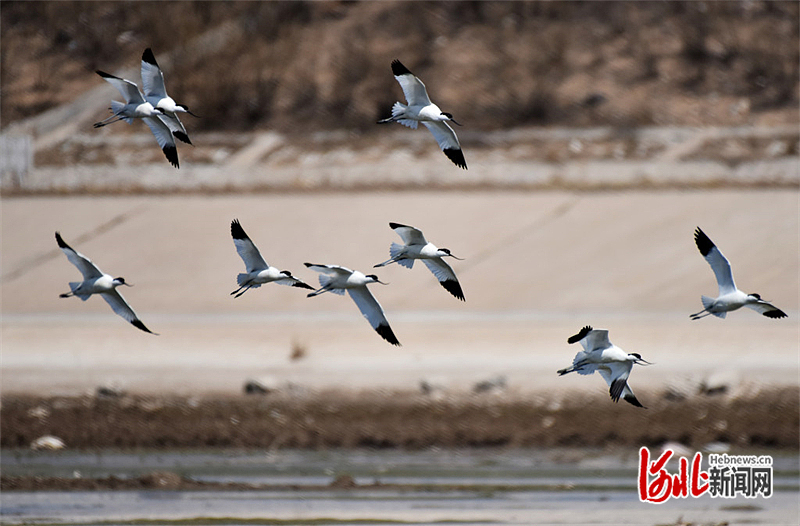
(293, 65)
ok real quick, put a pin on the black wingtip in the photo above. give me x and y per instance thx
(581, 335)
(148, 57)
(704, 244)
(398, 225)
(139, 325)
(775, 314)
(182, 137)
(616, 388)
(171, 153)
(457, 156)
(633, 401)
(453, 287)
(399, 69)
(237, 232)
(386, 333)
(61, 242)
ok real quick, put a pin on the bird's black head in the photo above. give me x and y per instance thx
(185, 108)
(450, 117)
(637, 355)
(286, 273)
(122, 281)
(446, 251)
(372, 276)
(756, 296)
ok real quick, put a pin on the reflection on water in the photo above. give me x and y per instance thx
(569, 486)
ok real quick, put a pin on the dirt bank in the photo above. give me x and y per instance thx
(336, 419)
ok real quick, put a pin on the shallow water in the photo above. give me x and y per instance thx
(565, 486)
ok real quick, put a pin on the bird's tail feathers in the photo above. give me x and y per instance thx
(241, 279)
(324, 280)
(74, 285)
(707, 303)
(395, 251)
(398, 111)
(116, 107)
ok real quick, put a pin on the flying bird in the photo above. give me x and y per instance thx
(95, 281)
(136, 107)
(156, 94)
(613, 364)
(421, 109)
(730, 298)
(258, 271)
(417, 247)
(336, 279)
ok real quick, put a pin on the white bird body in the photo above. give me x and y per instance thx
(136, 107)
(155, 93)
(417, 247)
(336, 279)
(421, 109)
(259, 271)
(730, 298)
(613, 364)
(95, 281)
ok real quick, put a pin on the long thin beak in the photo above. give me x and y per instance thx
(452, 256)
(381, 282)
(454, 122)
(128, 284)
(642, 361)
(192, 114)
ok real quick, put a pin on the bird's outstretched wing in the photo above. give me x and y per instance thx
(246, 248)
(409, 234)
(591, 339)
(767, 309)
(719, 263)
(121, 307)
(447, 278)
(413, 88)
(616, 376)
(128, 89)
(152, 77)
(164, 138)
(88, 269)
(372, 310)
(448, 142)
(334, 270)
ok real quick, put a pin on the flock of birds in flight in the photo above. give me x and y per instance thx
(159, 112)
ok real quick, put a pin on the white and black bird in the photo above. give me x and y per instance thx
(136, 107)
(336, 279)
(613, 364)
(417, 247)
(421, 109)
(156, 94)
(730, 298)
(95, 281)
(258, 271)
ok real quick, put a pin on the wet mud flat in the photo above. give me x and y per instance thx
(363, 486)
(319, 420)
